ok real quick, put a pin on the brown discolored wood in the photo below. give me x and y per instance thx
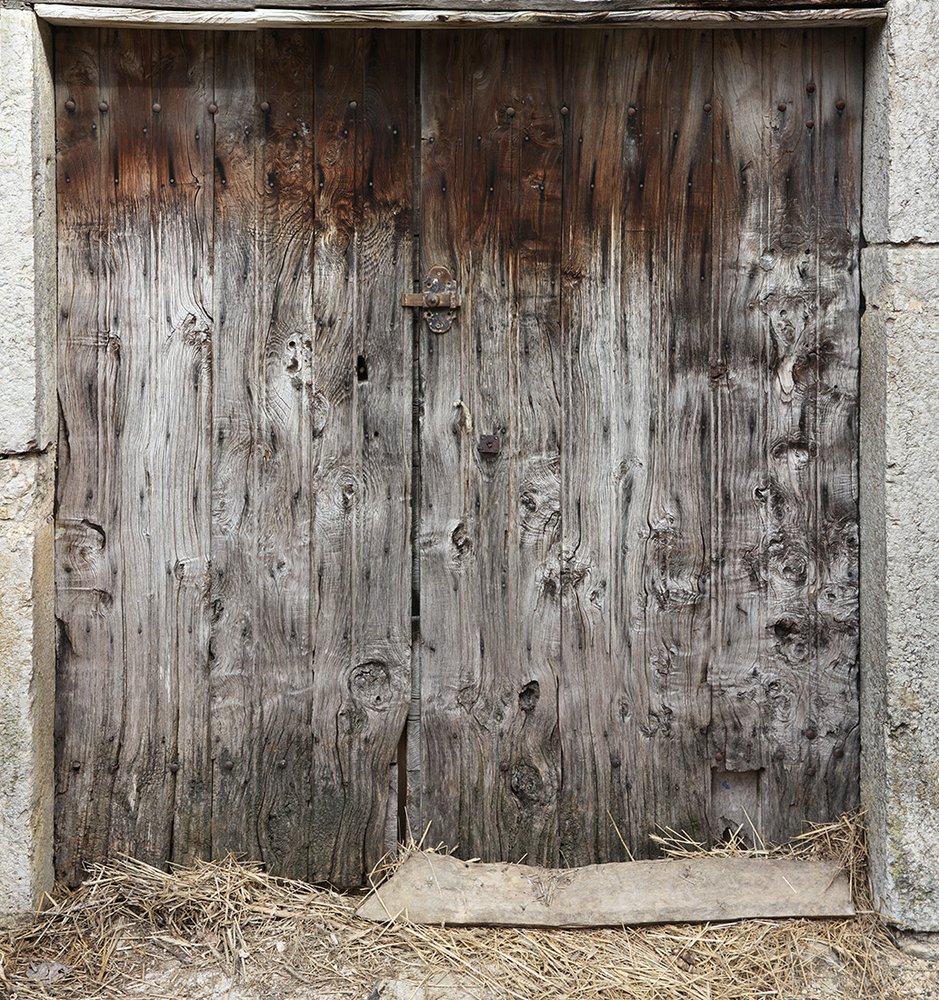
(87, 614)
(181, 418)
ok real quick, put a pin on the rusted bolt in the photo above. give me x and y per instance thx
(70, 105)
(565, 110)
(157, 107)
(840, 105)
(228, 764)
(265, 106)
(174, 767)
(811, 733)
(631, 111)
(510, 112)
(489, 444)
(781, 106)
(102, 105)
(707, 108)
(432, 299)
(810, 124)
(213, 108)
(719, 757)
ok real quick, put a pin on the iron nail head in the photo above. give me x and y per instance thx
(265, 106)
(70, 105)
(157, 107)
(213, 108)
(103, 105)
(840, 105)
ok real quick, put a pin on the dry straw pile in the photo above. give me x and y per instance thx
(274, 934)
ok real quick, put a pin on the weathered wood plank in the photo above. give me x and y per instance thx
(87, 607)
(838, 67)
(528, 791)
(236, 642)
(439, 889)
(789, 303)
(739, 692)
(180, 441)
(490, 682)
(676, 560)
(431, 17)
(594, 793)
(141, 815)
(447, 652)
(377, 684)
(281, 385)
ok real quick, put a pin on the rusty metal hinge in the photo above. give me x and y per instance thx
(439, 299)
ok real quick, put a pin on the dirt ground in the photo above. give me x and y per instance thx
(160, 979)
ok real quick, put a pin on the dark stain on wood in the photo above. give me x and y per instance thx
(640, 610)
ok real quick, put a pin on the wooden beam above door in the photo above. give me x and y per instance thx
(652, 13)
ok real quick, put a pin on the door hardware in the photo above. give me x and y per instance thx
(439, 299)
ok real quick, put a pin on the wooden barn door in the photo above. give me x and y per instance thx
(233, 501)
(638, 594)
(600, 534)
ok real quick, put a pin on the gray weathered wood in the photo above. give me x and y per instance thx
(570, 6)
(87, 599)
(641, 611)
(443, 17)
(439, 889)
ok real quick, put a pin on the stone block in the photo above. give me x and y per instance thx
(901, 118)
(27, 665)
(900, 578)
(27, 235)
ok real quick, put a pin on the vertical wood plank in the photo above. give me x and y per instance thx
(377, 684)
(677, 549)
(87, 607)
(181, 413)
(739, 693)
(593, 795)
(789, 305)
(141, 817)
(528, 804)
(236, 637)
(282, 384)
(838, 115)
(447, 550)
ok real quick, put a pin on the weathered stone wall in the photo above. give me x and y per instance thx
(27, 430)
(900, 465)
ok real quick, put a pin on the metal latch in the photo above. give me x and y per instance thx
(439, 299)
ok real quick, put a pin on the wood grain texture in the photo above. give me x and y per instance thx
(444, 17)
(641, 611)
(222, 688)
(87, 608)
(442, 890)
(757, 6)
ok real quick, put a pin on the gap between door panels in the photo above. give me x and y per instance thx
(397, 830)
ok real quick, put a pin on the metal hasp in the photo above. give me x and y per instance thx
(439, 299)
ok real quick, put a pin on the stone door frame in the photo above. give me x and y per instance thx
(899, 478)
